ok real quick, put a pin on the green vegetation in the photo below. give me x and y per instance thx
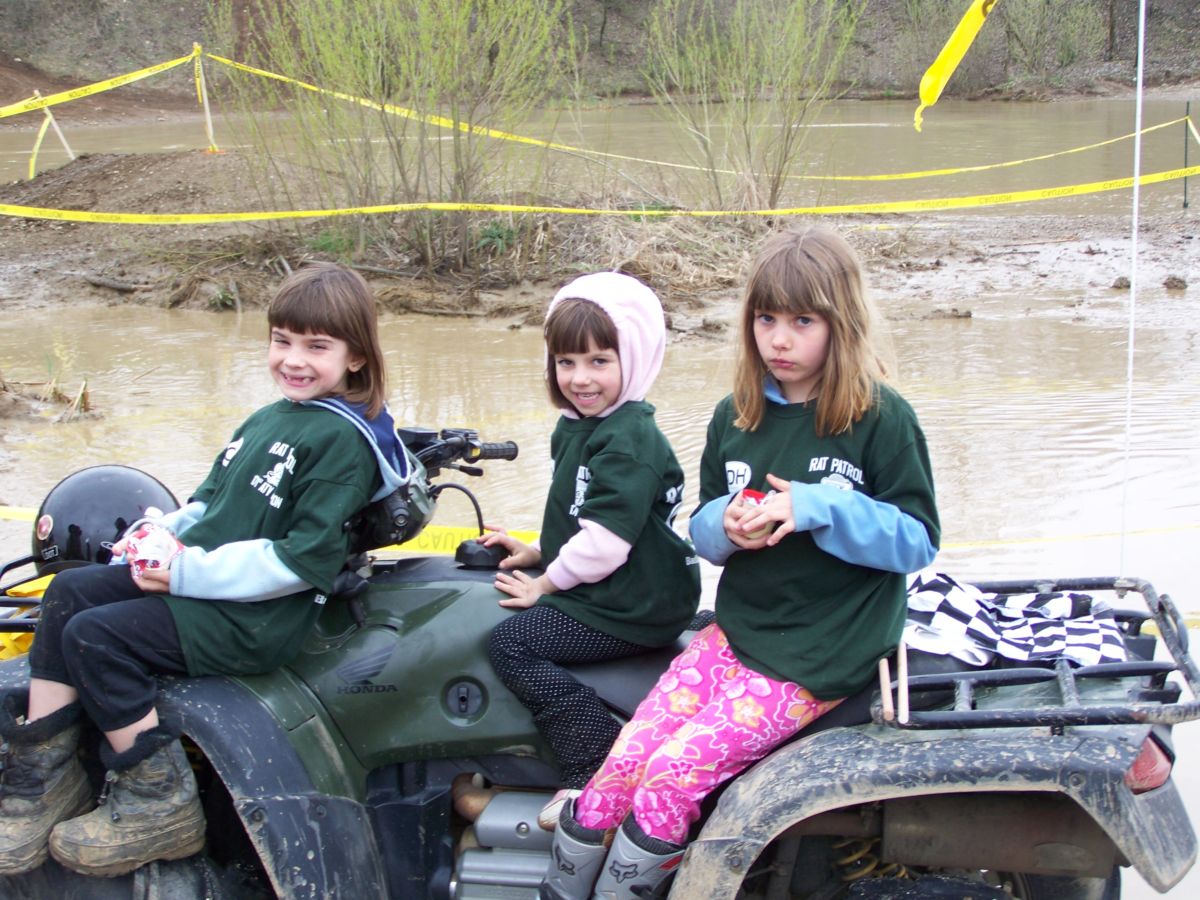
(397, 103)
(336, 242)
(408, 94)
(1047, 35)
(475, 66)
(743, 79)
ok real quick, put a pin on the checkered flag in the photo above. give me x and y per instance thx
(949, 618)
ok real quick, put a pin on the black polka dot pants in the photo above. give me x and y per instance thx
(527, 651)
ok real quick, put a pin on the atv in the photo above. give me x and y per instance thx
(387, 761)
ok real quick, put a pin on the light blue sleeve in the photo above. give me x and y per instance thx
(706, 528)
(244, 571)
(860, 529)
(185, 517)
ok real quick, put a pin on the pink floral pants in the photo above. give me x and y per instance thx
(707, 719)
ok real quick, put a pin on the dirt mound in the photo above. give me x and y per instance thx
(51, 261)
(194, 181)
(19, 81)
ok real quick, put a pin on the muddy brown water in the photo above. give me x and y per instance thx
(1025, 416)
(1040, 469)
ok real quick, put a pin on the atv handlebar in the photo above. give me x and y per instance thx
(501, 450)
(452, 445)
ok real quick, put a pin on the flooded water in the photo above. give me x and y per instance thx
(1024, 415)
(1037, 471)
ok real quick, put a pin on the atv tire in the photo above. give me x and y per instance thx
(195, 878)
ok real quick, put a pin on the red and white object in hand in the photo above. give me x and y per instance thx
(751, 497)
(151, 546)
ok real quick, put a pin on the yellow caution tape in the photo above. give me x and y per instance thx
(443, 122)
(444, 539)
(959, 170)
(896, 206)
(440, 121)
(87, 90)
(936, 76)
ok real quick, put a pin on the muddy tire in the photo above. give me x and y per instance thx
(195, 878)
(1050, 887)
(817, 869)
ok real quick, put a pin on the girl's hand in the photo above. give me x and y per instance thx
(774, 513)
(520, 555)
(737, 513)
(153, 581)
(522, 590)
(777, 509)
(118, 549)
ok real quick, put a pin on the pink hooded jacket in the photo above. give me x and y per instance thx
(595, 552)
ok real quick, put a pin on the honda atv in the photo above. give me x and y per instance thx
(387, 760)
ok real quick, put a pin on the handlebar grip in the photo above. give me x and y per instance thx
(498, 450)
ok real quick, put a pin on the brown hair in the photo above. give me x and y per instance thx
(813, 270)
(572, 327)
(325, 298)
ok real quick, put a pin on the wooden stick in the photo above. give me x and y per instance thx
(202, 90)
(885, 690)
(54, 125)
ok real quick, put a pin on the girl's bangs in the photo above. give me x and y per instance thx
(576, 325)
(792, 293)
(306, 313)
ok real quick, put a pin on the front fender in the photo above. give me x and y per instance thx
(312, 844)
(844, 767)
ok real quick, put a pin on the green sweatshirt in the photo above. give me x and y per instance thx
(620, 472)
(794, 611)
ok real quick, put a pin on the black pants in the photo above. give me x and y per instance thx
(99, 633)
(526, 650)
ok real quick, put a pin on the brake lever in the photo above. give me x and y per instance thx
(466, 470)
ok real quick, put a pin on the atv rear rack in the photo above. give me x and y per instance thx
(1153, 701)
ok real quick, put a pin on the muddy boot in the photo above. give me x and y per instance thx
(42, 782)
(637, 865)
(149, 809)
(575, 858)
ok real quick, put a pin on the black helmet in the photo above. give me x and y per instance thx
(89, 510)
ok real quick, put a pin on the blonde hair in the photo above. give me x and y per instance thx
(325, 298)
(573, 327)
(813, 270)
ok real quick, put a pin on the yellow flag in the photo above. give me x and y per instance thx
(936, 76)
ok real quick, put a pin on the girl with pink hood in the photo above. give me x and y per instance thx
(617, 579)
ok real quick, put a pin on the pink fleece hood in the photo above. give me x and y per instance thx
(641, 328)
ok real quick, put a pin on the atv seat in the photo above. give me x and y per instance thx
(623, 684)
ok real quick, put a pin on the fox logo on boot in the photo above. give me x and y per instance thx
(622, 872)
(564, 865)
